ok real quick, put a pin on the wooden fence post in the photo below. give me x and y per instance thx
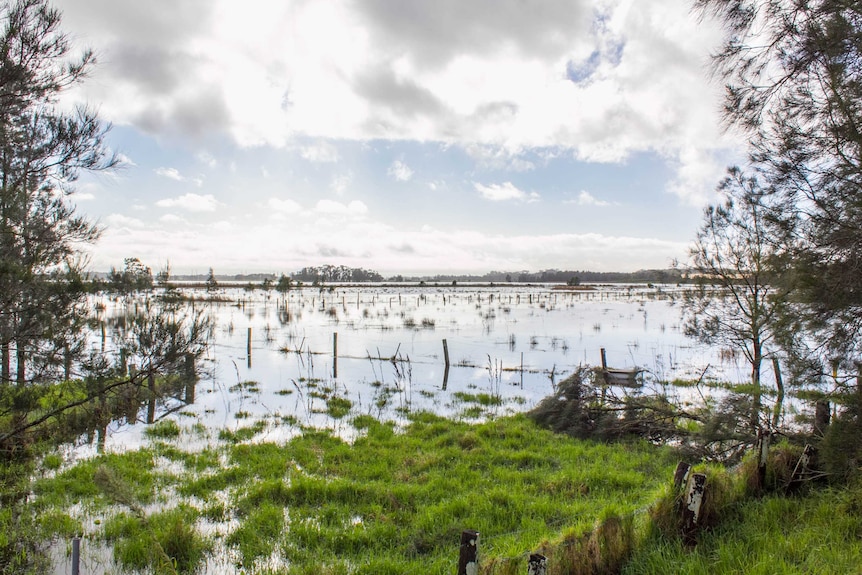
(76, 555)
(335, 354)
(468, 558)
(692, 501)
(537, 565)
(248, 348)
(522, 370)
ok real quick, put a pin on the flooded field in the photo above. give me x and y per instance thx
(278, 364)
(312, 356)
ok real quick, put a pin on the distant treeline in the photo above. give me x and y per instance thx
(569, 277)
(344, 274)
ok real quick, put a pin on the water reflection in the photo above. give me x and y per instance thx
(374, 344)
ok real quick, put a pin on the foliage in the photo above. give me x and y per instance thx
(330, 273)
(283, 284)
(794, 82)
(42, 150)
(162, 334)
(212, 283)
(583, 407)
(737, 296)
(134, 277)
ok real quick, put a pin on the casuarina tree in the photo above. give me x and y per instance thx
(43, 149)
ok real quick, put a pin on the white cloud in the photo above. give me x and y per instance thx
(191, 203)
(603, 79)
(587, 199)
(284, 206)
(123, 221)
(170, 173)
(330, 81)
(321, 152)
(223, 226)
(172, 219)
(503, 192)
(698, 172)
(85, 196)
(207, 159)
(400, 171)
(375, 245)
(340, 183)
(125, 161)
(174, 174)
(500, 158)
(331, 207)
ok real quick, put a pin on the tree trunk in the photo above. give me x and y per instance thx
(6, 363)
(859, 391)
(21, 363)
(779, 401)
(755, 382)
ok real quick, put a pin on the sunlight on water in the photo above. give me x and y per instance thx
(509, 343)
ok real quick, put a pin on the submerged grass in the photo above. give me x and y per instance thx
(393, 501)
(397, 498)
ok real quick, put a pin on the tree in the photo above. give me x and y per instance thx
(43, 149)
(736, 301)
(212, 283)
(283, 284)
(135, 277)
(793, 72)
(163, 278)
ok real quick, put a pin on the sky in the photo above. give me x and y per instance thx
(402, 136)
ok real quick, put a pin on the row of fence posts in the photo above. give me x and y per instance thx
(468, 557)
(335, 358)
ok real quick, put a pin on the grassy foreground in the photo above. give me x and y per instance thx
(393, 501)
(396, 500)
(816, 534)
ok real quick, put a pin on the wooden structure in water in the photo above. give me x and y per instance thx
(619, 377)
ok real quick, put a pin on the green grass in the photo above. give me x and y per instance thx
(406, 496)
(165, 429)
(394, 501)
(397, 499)
(812, 535)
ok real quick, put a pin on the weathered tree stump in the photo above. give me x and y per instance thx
(468, 558)
(537, 564)
(680, 475)
(692, 502)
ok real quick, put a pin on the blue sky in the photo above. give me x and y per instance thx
(410, 137)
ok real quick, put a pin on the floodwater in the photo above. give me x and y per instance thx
(383, 349)
(317, 357)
